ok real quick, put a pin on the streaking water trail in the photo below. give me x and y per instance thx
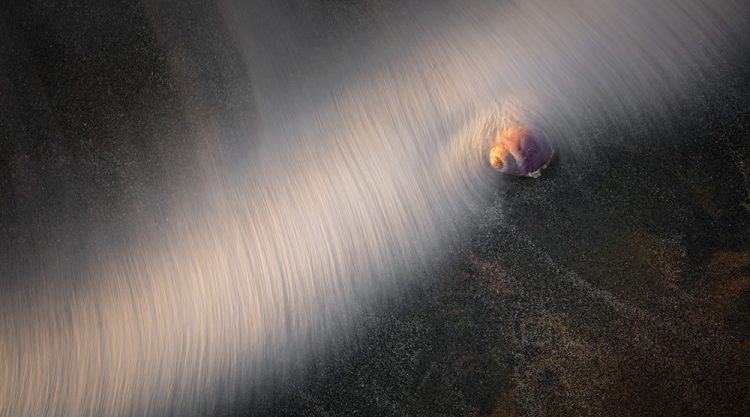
(367, 162)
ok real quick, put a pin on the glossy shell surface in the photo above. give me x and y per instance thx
(520, 151)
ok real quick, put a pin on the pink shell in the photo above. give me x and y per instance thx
(520, 151)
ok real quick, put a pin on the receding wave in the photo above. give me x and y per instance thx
(363, 172)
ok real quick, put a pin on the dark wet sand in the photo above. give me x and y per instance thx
(617, 285)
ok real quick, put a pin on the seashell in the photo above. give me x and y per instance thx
(520, 151)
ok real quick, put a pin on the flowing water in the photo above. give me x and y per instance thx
(368, 161)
